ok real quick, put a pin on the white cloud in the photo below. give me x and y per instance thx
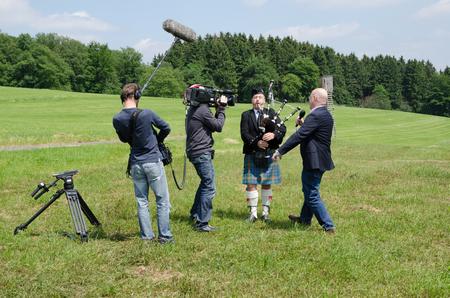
(441, 7)
(15, 12)
(19, 13)
(255, 3)
(316, 34)
(349, 3)
(149, 48)
(79, 20)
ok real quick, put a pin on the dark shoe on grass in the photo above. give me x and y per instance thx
(294, 218)
(251, 218)
(205, 228)
(265, 218)
(162, 240)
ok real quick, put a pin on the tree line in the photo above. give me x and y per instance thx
(231, 61)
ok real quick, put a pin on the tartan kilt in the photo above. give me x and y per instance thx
(253, 174)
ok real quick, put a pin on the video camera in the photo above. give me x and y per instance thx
(198, 94)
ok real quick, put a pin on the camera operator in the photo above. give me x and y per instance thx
(258, 147)
(200, 124)
(135, 126)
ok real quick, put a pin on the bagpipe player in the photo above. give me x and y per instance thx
(262, 133)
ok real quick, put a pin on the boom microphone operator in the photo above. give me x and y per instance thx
(300, 116)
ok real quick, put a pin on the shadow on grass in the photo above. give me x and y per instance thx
(240, 215)
(181, 218)
(276, 224)
(287, 225)
(99, 233)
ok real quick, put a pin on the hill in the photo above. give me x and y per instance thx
(388, 196)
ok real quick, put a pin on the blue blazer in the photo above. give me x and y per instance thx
(314, 137)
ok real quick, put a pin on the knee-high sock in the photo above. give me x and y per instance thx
(266, 197)
(252, 201)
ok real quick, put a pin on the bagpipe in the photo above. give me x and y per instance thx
(271, 121)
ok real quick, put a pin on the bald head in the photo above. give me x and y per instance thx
(318, 97)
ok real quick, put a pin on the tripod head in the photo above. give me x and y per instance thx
(42, 188)
(66, 174)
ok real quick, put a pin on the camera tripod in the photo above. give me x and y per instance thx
(76, 204)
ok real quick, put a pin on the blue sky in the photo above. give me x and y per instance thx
(412, 29)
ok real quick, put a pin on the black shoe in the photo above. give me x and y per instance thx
(294, 218)
(265, 218)
(251, 219)
(205, 228)
(162, 240)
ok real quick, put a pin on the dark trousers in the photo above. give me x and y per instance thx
(313, 204)
(202, 208)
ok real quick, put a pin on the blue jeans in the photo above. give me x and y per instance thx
(202, 208)
(313, 204)
(152, 175)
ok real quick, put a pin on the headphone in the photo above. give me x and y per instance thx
(137, 94)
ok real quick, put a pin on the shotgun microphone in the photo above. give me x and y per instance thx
(300, 116)
(179, 31)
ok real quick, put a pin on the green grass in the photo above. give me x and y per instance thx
(389, 197)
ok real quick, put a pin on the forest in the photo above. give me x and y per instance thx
(232, 61)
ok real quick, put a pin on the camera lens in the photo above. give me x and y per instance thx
(231, 101)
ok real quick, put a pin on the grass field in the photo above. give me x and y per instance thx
(389, 197)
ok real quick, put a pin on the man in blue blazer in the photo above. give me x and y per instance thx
(314, 137)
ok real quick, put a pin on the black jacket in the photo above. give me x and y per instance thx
(251, 134)
(200, 124)
(314, 137)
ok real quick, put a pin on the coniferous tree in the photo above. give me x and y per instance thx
(219, 64)
(287, 54)
(415, 84)
(176, 56)
(258, 72)
(367, 83)
(319, 58)
(240, 52)
(352, 73)
(438, 101)
(261, 48)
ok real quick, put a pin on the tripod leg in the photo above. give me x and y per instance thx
(52, 200)
(94, 221)
(77, 216)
